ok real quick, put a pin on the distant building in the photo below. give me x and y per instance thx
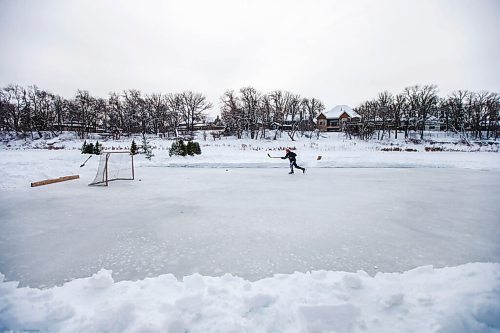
(336, 119)
(432, 124)
(206, 123)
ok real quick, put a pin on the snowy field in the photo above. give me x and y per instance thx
(228, 241)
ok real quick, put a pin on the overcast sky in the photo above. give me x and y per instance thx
(341, 52)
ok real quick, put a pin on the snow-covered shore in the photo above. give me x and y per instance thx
(25, 161)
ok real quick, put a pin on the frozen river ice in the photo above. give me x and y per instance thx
(251, 222)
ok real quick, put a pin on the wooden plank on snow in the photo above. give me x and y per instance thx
(55, 180)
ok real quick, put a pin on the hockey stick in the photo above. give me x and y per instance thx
(85, 161)
(272, 156)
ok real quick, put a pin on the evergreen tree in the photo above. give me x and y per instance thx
(84, 147)
(90, 148)
(190, 148)
(182, 149)
(146, 148)
(197, 148)
(178, 148)
(97, 148)
(193, 147)
(133, 148)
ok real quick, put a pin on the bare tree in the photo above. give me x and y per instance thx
(250, 104)
(278, 105)
(133, 105)
(421, 101)
(193, 105)
(232, 114)
(115, 113)
(156, 108)
(59, 109)
(100, 116)
(84, 103)
(265, 114)
(456, 109)
(293, 114)
(399, 106)
(493, 107)
(428, 100)
(312, 108)
(477, 110)
(368, 112)
(385, 105)
(15, 104)
(174, 112)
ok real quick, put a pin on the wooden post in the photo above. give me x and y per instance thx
(55, 180)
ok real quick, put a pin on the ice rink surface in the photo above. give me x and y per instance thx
(251, 222)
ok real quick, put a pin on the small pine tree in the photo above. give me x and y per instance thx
(147, 149)
(90, 148)
(193, 147)
(133, 148)
(97, 148)
(149, 154)
(178, 148)
(190, 148)
(84, 147)
(197, 148)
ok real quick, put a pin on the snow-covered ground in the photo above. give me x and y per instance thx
(228, 241)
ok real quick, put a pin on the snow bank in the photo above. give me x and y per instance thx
(456, 299)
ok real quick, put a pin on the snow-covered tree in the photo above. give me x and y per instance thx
(146, 148)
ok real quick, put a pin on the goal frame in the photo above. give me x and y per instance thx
(105, 180)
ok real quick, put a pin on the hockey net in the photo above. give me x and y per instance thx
(114, 165)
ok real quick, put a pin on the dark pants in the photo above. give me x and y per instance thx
(294, 164)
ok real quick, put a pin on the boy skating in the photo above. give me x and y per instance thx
(293, 162)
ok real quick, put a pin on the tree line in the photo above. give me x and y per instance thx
(463, 112)
(244, 112)
(33, 110)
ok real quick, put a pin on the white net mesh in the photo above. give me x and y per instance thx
(114, 166)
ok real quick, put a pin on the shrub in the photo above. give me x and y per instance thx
(433, 149)
(182, 149)
(193, 148)
(90, 148)
(197, 148)
(178, 148)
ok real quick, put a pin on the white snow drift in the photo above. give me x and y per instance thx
(453, 300)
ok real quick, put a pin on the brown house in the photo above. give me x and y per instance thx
(336, 119)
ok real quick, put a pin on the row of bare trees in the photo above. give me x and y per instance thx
(247, 111)
(463, 112)
(33, 110)
(253, 112)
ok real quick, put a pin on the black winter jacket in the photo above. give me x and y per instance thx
(290, 155)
